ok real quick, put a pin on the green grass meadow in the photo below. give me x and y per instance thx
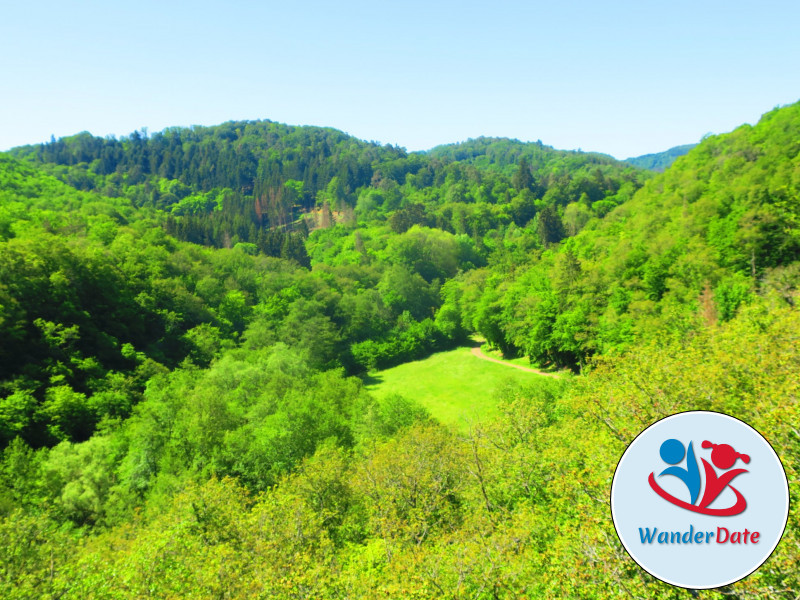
(456, 387)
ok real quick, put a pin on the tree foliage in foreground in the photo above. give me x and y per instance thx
(517, 507)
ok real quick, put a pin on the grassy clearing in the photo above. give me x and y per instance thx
(456, 387)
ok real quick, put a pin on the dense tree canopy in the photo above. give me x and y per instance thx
(711, 232)
(186, 319)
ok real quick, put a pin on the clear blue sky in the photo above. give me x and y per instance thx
(622, 77)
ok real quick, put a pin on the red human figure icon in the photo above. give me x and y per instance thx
(724, 457)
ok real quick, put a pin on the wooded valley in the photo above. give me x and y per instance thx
(189, 322)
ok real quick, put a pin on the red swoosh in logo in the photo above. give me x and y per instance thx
(737, 508)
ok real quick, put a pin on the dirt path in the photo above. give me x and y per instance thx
(476, 351)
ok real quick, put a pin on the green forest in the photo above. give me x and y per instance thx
(190, 321)
(660, 161)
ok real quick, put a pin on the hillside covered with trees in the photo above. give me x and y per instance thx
(186, 318)
(660, 160)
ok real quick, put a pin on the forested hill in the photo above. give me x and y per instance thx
(244, 156)
(234, 180)
(717, 228)
(504, 152)
(661, 160)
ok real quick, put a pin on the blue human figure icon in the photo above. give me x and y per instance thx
(672, 452)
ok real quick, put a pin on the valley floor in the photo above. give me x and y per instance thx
(454, 386)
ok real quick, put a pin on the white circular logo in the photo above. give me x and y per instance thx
(699, 500)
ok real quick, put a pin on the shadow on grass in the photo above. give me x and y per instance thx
(372, 379)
